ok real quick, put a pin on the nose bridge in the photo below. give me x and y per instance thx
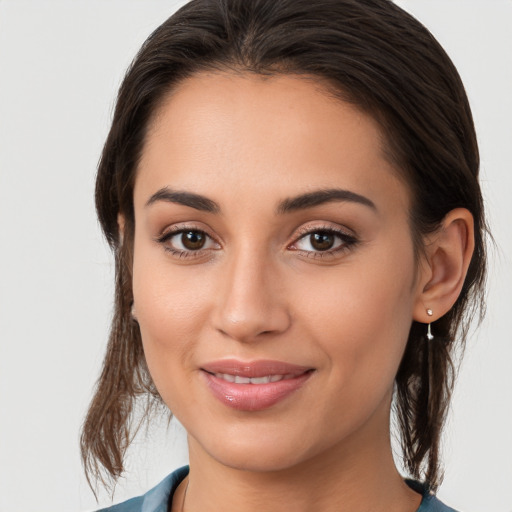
(250, 302)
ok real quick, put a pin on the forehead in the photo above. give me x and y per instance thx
(248, 104)
(248, 130)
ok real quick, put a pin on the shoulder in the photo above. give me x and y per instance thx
(156, 499)
(429, 503)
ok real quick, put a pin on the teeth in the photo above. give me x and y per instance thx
(242, 380)
(237, 379)
(260, 380)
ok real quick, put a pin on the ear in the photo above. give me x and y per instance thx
(444, 268)
(120, 225)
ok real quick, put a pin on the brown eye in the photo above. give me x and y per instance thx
(322, 240)
(193, 240)
(328, 241)
(184, 242)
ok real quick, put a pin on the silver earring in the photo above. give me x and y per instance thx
(430, 336)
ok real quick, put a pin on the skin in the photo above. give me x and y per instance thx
(260, 290)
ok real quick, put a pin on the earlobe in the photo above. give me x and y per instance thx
(120, 225)
(448, 255)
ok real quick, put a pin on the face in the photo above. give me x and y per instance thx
(274, 274)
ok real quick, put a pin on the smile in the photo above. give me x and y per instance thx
(253, 386)
(238, 379)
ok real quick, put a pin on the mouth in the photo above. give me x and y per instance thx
(255, 385)
(238, 379)
(254, 369)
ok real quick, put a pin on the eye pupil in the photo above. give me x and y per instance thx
(322, 241)
(193, 240)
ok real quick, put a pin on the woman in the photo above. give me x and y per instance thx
(291, 192)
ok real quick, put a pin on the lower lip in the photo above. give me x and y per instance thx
(253, 397)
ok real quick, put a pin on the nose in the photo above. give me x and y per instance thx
(250, 304)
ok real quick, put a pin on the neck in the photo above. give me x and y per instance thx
(358, 475)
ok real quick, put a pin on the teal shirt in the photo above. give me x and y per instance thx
(158, 498)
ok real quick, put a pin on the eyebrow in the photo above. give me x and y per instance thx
(190, 199)
(301, 202)
(319, 197)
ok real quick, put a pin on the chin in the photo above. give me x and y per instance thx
(258, 462)
(259, 451)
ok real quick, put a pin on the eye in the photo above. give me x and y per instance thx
(191, 240)
(183, 242)
(328, 241)
(319, 241)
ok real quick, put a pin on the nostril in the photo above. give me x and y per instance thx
(249, 313)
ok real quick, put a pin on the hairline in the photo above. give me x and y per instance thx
(326, 86)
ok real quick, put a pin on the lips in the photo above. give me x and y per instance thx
(256, 385)
(238, 379)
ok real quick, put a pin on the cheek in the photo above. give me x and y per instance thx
(168, 297)
(362, 317)
(171, 313)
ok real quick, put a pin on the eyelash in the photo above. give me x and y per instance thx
(165, 237)
(347, 241)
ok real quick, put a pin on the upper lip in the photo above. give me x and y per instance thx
(260, 368)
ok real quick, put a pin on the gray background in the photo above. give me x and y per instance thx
(60, 65)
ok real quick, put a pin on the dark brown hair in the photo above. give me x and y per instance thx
(372, 54)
